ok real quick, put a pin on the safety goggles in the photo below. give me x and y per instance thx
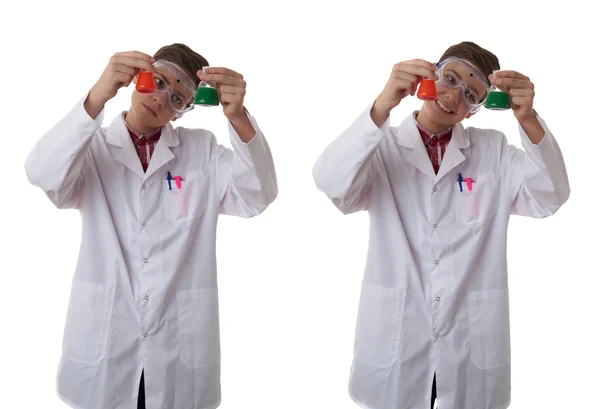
(457, 73)
(176, 85)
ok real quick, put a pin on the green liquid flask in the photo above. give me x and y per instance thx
(497, 99)
(206, 95)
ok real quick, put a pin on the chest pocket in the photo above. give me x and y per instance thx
(478, 204)
(188, 202)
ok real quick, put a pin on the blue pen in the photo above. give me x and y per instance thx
(169, 179)
(460, 180)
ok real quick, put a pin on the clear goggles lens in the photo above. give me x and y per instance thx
(455, 73)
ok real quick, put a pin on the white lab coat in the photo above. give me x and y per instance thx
(434, 297)
(144, 294)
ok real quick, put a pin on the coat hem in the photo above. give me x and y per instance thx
(505, 406)
(215, 406)
(364, 406)
(358, 402)
(67, 401)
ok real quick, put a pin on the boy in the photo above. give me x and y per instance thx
(143, 314)
(433, 312)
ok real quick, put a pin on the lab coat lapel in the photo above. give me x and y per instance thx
(162, 152)
(118, 136)
(454, 156)
(409, 137)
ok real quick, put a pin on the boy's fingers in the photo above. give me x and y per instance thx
(402, 84)
(138, 55)
(230, 98)
(520, 101)
(122, 78)
(406, 76)
(517, 92)
(125, 69)
(418, 71)
(135, 63)
(511, 74)
(224, 79)
(513, 83)
(422, 63)
(229, 89)
(223, 71)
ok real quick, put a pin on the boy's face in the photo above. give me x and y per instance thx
(153, 111)
(451, 106)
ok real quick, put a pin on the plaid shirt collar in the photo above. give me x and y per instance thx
(428, 136)
(137, 138)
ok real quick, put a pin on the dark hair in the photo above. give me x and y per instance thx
(186, 58)
(480, 57)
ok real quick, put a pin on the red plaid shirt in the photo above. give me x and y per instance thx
(435, 144)
(144, 144)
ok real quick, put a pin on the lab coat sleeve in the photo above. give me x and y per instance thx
(535, 176)
(246, 179)
(57, 164)
(344, 170)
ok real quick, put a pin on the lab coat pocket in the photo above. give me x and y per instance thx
(198, 316)
(489, 328)
(379, 324)
(188, 201)
(478, 204)
(88, 322)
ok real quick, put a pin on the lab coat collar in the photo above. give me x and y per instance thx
(118, 135)
(409, 137)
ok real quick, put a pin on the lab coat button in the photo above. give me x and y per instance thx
(437, 335)
(435, 226)
(437, 298)
(435, 189)
(143, 186)
(143, 223)
(437, 262)
(146, 298)
(145, 260)
(145, 334)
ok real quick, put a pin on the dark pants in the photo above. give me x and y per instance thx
(141, 394)
(433, 392)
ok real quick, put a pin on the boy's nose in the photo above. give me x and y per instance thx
(161, 98)
(454, 95)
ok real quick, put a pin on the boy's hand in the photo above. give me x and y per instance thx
(119, 72)
(231, 88)
(521, 92)
(404, 80)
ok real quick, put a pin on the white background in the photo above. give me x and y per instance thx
(289, 279)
